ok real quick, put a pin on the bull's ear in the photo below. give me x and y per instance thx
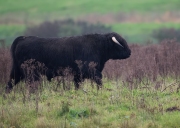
(115, 41)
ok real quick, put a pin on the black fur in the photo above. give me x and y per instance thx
(65, 52)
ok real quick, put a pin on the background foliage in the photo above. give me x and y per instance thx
(135, 20)
(65, 28)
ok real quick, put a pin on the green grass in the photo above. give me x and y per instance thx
(132, 32)
(10, 32)
(15, 15)
(120, 107)
(79, 7)
(141, 32)
(38, 10)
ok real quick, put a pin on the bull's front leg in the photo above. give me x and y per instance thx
(98, 79)
(77, 81)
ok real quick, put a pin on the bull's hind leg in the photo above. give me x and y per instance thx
(15, 77)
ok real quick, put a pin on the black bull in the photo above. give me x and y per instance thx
(64, 52)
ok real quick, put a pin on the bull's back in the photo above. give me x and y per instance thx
(53, 52)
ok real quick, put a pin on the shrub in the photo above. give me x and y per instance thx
(5, 63)
(65, 28)
(147, 64)
(167, 33)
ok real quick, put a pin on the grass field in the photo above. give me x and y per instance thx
(10, 32)
(38, 7)
(114, 106)
(132, 32)
(129, 18)
(141, 32)
(38, 11)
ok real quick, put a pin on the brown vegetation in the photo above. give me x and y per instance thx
(5, 64)
(147, 64)
(171, 109)
(69, 27)
(151, 63)
(167, 33)
(147, 61)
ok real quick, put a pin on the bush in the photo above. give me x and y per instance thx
(5, 63)
(65, 28)
(148, 63)
(167, 33)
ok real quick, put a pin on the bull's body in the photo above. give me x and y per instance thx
(65, 52)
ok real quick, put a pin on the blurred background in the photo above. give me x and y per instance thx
(138, 21)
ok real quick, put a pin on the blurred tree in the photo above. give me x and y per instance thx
(167, 33)
(65, 28)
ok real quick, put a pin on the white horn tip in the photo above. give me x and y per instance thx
(114, 39)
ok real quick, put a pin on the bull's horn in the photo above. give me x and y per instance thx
(114, 39)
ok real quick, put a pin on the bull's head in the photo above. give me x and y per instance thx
(120, 49)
